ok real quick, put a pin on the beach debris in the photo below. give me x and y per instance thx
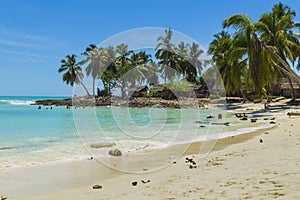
(221, 123)
(210, 117)
(148, 181)
(220, 116)
(134, 183)
(244, 118)
(40, 107)
(91, 158)
(272, 122)
(261, 140)
(3, 198)
(6, 148)
(253, 120)
(293, 114)
(191, 163)
(267, 133)
(103, 145)
(115, 152)
(201, 126)
(96, 187)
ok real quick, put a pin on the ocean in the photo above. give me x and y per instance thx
(33, 137)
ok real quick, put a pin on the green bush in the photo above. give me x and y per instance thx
(152, 93)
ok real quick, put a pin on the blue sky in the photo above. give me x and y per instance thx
(35, 35)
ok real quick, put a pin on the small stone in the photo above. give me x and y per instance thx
(261, 140)
(96, 187)
(134, 183)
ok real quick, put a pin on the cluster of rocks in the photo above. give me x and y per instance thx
(191, 163)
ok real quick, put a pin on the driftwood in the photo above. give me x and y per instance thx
(293, 114)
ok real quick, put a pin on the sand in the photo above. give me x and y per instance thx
(264, 164)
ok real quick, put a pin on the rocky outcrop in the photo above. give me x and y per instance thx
(157, 102)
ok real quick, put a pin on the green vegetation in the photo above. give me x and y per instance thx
(250, 57)
(255, 54)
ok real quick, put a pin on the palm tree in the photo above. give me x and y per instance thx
(195, 63)
(165, 53)
(244, 37)
(93, 57)
(109, 74)
(73, 72)
(122, 65)
(276, 30)
(229, 60)
(143, 69)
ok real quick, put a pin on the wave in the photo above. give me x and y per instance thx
(17, 102)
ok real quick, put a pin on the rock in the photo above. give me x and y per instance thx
(261, 140)
(115, 152)
(96, 187)
(134, 183)
(253, 120)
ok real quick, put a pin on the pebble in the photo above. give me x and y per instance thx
(261, 140)
(134, 183)
(96, 187)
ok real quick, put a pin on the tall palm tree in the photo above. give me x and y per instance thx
(109, 74)
(166, 54)
(277, 32)
(73, 72)
(228, 58)
(195, 63)
(93, 58)
(123, 65)
(245, 30)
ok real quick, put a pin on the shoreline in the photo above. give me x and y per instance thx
(259, 164)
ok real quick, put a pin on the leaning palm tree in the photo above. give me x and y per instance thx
(244, 33)
(279, 37)
(73, 72)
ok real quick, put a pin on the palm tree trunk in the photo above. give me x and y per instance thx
(293, 96)
(93, 86)
(86, 90)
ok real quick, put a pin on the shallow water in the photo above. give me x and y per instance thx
(30, 137)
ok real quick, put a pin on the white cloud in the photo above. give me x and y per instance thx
(13, 43)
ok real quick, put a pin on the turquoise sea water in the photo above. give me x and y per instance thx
(30, 136)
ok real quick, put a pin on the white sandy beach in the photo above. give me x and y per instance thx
(260, 165)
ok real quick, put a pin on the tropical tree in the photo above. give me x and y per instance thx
(277, 32)
(166, 54)
(229, 60)
(123, 66)
(93, 58)
(245, 39)
(73, 72)
(109, 74)
(195, 65)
